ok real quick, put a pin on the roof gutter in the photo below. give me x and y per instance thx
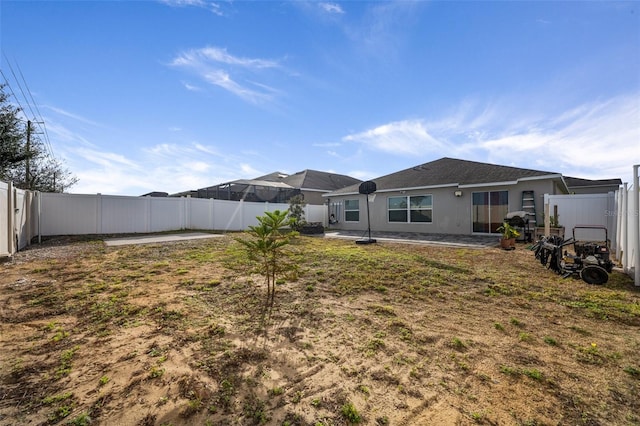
(471, 185)
(515, 182)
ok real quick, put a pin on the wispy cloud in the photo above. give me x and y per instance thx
(408, 137)
(217, 54)
(594, 140)
(212, 6)
(162, 167)
(215, 66)
(381, 32)
(71, 115)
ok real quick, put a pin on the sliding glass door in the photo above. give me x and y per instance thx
(489, 210)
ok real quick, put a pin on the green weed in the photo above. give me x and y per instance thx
(56, 398)
(65, 362)
(350, 413)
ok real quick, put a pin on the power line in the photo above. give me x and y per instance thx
(46, 135)
(37, 119)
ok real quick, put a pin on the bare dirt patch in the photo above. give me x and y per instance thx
(170, 334)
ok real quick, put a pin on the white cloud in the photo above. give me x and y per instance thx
(248, 170)
(222, 79)
(326, 144)
(213, 7)
(192, 88)
(215, 66)
(72, 115)
(163, 167)
(408, 137)
(217, 54)
(596, 140)
(106, 159)
(332, 8)
(589, 140)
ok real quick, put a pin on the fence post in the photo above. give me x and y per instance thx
(547, 217)
(212, 222)
(241, 215)
(39, 217)
(187, 212)
(11, 217)
(99, 213)
(635, 218)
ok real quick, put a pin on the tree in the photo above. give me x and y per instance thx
(12, 133)
(296, 211)
(24, 159)
(265, 248)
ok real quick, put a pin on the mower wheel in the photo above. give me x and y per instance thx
(594, 274)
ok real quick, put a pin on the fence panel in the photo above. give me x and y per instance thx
(16, 225)
(122, 215)
(69, 214)
(5, 235)
(165, 214)
(22, 211)
(628, 215)
(586, 209)
(74, 214)
(201, 213)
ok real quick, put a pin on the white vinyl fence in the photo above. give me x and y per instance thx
(16, 224)
(26, 214)
(628, 215)
(71, 214)
(619, 212)
(585, 209)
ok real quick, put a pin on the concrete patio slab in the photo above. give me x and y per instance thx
(158, 238)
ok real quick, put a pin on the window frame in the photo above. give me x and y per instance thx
(351, 211)
(408, 209)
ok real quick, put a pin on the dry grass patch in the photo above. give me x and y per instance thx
(360, 334)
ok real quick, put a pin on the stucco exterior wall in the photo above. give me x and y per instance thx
(451, 214)
(313, 197)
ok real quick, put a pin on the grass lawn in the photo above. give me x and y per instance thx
(384, 334)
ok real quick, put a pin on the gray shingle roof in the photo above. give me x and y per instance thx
(306, 179)
(313, 179)
(449, 171)
(577, 182)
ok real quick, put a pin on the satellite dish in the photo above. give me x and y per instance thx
(368, 187)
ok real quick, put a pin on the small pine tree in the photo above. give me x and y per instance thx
(265, 248)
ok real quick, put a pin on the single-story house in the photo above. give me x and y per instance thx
(445, 196)
(277, 187)
(587, 186)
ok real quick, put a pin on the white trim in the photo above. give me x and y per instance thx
(315, 190)
(469, 185)
(420, 188)
(341, 195)
(513, 182)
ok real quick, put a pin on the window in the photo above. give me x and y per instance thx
(489, 210)
(352, 210)
(411, 209)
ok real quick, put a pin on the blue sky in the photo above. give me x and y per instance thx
(176, 95)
